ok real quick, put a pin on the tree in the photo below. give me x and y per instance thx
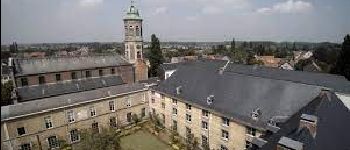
(156, 56)
(233, 44)
(135, 118)
(6, 90)
(107, 139)
(343, 61)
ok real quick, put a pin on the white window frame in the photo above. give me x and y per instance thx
(225, 135)
(225, 121)
(111, 105)
(174, 102)
(70, 116)
(48, 121)
(174, 110)
(205, 113)
(188, 106)
(70, 136)
(205, 125)
(188, 117)
(92, 111)
(57, 142)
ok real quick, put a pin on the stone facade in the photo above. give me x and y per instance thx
(37, 134)
(238, 136)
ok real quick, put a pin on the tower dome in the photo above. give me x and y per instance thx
(132, 13)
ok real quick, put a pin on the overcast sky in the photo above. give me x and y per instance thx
(39, 21)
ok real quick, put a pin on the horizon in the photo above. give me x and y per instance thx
(84, 21)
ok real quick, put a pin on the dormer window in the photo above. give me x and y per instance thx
(210, 99)
(255, 114)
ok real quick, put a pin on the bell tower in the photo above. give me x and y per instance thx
(133, 34)
(133, 42)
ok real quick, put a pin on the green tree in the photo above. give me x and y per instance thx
(135, 118)
(6, 90)
(155, 57)
(107, 139)
(233, 44)
(343, 61)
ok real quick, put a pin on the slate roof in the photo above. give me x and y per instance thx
(335, 82)
(332, 130)
(58, 64)
(65, 100)
(230, 90)
(48, 90)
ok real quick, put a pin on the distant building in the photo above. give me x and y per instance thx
(269, 61)
(183, 59)
(34, 54)
(286, 66)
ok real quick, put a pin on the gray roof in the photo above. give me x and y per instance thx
(230, 90)
(48, 90)
(58, 64)
(174, 66)
(291, 143)
(65, 100)
(335, 82)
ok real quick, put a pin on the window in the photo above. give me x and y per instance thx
(153, 92)
(205, 113)
(188, 132)
(24, 81)
(113, 121)
(188, 106)
(21, 131)
(174, 111)
(251, 131)
(111, 106)
(48, 123)
(70, 116)
(74, 135)
(163, 118)
(204, 125)
(174, 101)
(137, 31)
(153, 111)
(174, 125)
(94, 127)
(225, 121)
(87, 74)
(153, 100)
(25, 146)
(162, 96)
(188, 117)
(128, 103)
(92, 111)
(73, 75)
(138, 46)
(143, 112)
(204, 141)
(53, 142)
(224, 135)
(128, 117)
(100, 73)
(58, 77)
(223, 147)
(112, 71)
(41, 80)
(163, 105)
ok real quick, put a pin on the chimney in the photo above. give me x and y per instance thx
(255, 114)
(210, 99)
(178, 90)
(310, 122)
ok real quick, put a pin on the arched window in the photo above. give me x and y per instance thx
(137, 31)
(138, 54)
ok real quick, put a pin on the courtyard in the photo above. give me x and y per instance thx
(143, 140)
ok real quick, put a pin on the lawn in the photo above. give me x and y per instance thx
(142, 140)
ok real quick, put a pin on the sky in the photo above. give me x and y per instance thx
(57, 21)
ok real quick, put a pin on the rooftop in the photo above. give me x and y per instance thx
(26, 93)
(27, 66)
(272, 97)
(65, 100)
